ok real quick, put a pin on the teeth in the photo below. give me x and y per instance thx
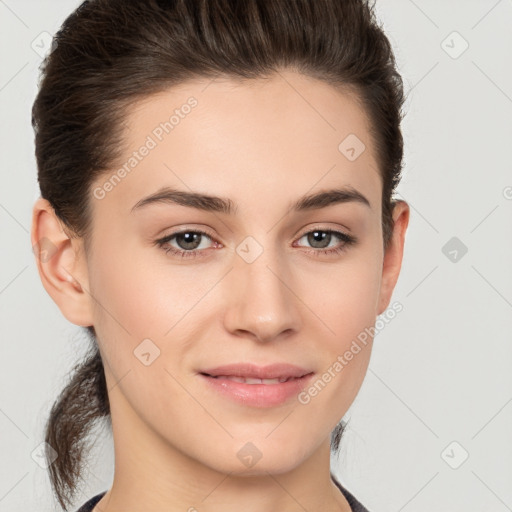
(250, 380)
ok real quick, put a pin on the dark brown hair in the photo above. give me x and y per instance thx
(108, 54)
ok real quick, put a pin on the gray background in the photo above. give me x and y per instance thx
(439, 385)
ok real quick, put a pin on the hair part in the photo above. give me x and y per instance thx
(109, 54)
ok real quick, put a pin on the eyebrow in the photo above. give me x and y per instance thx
(210, 203)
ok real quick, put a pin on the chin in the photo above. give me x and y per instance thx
(258, 458)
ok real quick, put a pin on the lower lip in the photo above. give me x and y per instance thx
(258, 395)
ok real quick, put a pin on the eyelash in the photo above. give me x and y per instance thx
(162, 243)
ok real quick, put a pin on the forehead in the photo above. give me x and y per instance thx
(287, 132)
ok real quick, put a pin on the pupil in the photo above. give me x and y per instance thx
(319, 236)
(190, 240)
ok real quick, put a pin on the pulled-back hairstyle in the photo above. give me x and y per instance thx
(108, 54)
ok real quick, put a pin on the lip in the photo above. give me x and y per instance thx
(250, 370)
(257, 395)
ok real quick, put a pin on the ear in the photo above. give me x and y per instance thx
(393, 254)
(61, 264)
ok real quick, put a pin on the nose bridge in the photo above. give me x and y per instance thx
(262, 302)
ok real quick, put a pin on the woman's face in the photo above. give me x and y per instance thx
(260, 287)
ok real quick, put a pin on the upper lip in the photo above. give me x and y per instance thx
(272, 371)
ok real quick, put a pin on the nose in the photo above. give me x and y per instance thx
(261, 303)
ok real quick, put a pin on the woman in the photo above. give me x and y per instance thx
(217, 211)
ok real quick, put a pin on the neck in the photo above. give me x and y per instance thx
(146, 481)
(153, 475)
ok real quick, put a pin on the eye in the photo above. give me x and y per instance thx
(188, 241)
(321, 238)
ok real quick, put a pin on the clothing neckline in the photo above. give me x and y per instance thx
(355, 505)
(90, 504)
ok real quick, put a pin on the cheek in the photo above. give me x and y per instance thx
(346, 304)
(131, 296)
(345, 298)
(144, 307)
(123, 307)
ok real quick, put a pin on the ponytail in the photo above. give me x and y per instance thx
(83, 401)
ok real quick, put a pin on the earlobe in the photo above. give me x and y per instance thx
(392, 261)
(61, 264)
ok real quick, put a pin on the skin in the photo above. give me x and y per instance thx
(263, 144)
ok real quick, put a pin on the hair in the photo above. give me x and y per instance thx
(108, 54)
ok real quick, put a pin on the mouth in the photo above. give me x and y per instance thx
(257, 386)
(254, 374)
(252, 380)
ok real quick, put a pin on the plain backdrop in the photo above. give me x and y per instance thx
(431, 427)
